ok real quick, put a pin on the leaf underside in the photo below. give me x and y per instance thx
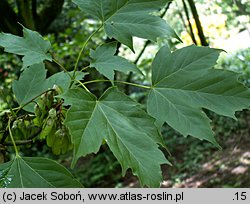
(105, 62)
(32, 46)
(184, 82)
(33, 82)
(124, 19)
(128, 131)
(30, 172)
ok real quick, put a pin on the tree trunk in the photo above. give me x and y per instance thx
(242, 8)
(198, 23)
(28, 15)
(25, 13)
(9, 19)
(191, 32)
(49, 12)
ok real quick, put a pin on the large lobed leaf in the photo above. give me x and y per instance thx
(32, 46)
(183, 82)
(33, 82)
(124, 19)
(116, 119)
(105, 62)
(32, 172)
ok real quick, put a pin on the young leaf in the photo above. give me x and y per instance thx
(33, 82)
(127, 18)
(32, 46)
(32, 172)
(128, 131)
(184, 83)
(105, 62)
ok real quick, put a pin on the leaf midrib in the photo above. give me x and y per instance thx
(86, 127)
(183, 68)
(11, 166)
(142, 24)
(50, 184)
(177, 110)
(26, 45)
(142, 167)
(104, 21)
(200, 93)
(30, 88)
(118, 136)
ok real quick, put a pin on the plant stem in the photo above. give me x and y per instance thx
(22, 106)
(63, 68)
(121, 82)
(18, 142)
(82, 84)
(84, 68)
(12, 139)
(23, 142)
(82, 49)
(133, 84)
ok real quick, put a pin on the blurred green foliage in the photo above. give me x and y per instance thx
(99, 170)
(8, 73)
(237, 62)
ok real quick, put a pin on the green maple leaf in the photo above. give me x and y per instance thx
(105, 62)
(32, 46)
(32, 172)
(128, 131)
(124, 19)
(33, 82)
(184, 82)
(30, 84)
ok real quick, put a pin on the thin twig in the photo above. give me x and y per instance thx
(22, 106)
(18, 142)
(24, 142)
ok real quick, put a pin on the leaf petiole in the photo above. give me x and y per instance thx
(121, 82)
(82, 84)
(63, 68)
(84, 68)
(82, 49)
(12, 139)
